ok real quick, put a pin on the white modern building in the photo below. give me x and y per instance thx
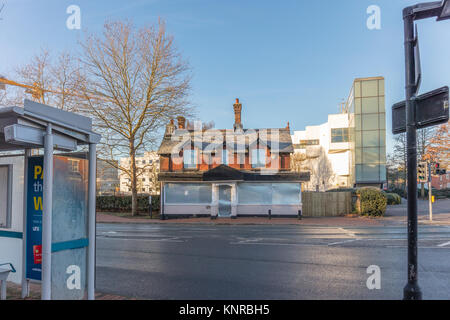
(350, 148)
(326, 152)
(147, 170)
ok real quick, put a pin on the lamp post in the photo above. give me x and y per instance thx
(441, 10)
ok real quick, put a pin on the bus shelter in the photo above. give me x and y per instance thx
(47, 230)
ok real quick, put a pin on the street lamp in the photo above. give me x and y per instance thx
(441, 10)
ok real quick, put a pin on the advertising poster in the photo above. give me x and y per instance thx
(34, 217)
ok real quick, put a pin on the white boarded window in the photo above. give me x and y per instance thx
(190, 193)
(269, 193)
(5, 196)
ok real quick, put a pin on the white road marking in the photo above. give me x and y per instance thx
(444, 244)
(351, 234)
(152, 240)
(340, 242)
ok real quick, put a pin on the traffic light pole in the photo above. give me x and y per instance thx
(411, 290)
(430, 188)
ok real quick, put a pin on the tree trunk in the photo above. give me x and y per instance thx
(133, 179)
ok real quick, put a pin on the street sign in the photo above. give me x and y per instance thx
(431, 109)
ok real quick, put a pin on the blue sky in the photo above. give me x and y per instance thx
(286, 60)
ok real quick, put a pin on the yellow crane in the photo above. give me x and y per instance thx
(37, 92)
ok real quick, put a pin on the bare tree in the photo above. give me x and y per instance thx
(399, 156)
(316, 161)
(55, 82)
(143, 83)
(298, 161)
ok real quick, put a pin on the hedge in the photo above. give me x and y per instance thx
(438, 194)
(372, 201)
(123, 203)
(393, 198)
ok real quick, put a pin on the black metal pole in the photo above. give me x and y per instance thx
(411, 290)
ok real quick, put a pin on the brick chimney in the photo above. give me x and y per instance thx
(237, 115)
(181, 122)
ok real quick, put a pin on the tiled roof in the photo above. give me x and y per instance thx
(278, 140)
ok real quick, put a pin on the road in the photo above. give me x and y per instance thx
(162, 261)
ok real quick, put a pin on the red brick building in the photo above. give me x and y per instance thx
(228, 172)
(440, 181)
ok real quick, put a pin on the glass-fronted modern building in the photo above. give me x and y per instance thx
(366, 106)
(349, 150)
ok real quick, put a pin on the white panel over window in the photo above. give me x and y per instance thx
(189, 193)
(269, 193)
(286, 193)
(255, 193)
(5, 196)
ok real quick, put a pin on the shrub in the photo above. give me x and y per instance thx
(393, 198)
(123, 203)
(398, 191)
(372, 201)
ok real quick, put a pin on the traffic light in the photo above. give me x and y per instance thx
(438, 170)
(422, 171)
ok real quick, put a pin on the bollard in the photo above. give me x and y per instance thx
(299, 214)
(270, 214)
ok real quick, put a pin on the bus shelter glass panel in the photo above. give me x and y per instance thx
(69, 227)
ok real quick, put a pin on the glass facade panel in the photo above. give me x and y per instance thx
(383, 173)
(358, 105)
(370, 138)
(369, 88)
(358, 138)
(383, 138)
(381, 88)
(370, 122)
(370, 105)
(371, 155)
(358, 154)
(357, 122)
(369, 152)
(382, 121)
(191, 193)
(357, 90)
(381, 106)
(371, 172)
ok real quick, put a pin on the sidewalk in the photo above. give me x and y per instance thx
(14, 293)
(395, 215)
(345, 221)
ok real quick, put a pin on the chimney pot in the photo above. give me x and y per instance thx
(181, 122)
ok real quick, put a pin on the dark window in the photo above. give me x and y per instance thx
(304, 143)
(339, 135)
